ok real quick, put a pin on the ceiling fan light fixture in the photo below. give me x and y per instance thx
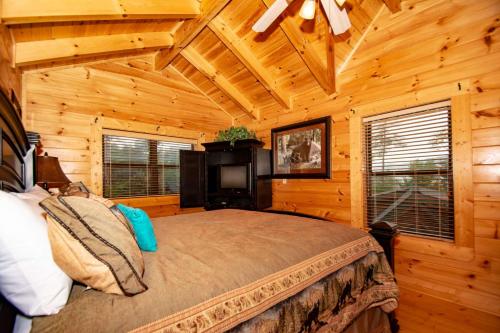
(308, 9)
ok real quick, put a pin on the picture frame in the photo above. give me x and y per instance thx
(302, 150)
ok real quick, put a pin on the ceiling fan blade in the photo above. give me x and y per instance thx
(339, 20)
(270, 15)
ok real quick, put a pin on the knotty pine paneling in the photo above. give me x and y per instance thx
(56, 30)
(429, 51)
(64, 105)
(92, 91)
(418, 313)
(47, 31)
(10, 79)
(68, 136)
(65, 135)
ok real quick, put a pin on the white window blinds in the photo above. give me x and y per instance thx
(134, 167)
(409, 178)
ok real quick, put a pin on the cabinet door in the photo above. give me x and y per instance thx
(192, 178)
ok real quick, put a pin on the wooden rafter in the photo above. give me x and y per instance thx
(360, 41)
(393, 5)
(33, 11)
(330, 56)
(159, 78)
(189, 30)
(66, 48)
(154, 77)
(247, 57)
(307, 52)
(205, 67)
(175, 70)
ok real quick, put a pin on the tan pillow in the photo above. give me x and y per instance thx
(114, 209)
(70, 188)
(91, 246)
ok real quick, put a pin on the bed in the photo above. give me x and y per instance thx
(229, 270)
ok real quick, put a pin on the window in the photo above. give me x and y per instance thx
(409, 178)
(134, 167)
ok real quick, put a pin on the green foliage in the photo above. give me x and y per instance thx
(233, 134)
(435, 181)
(438, 182)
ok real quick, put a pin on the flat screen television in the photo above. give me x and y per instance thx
(234, 176)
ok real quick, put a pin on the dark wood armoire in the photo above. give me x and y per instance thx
(227, 176)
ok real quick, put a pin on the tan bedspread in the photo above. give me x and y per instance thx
(214, 270)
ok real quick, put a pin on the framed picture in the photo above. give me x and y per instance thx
(302, 150)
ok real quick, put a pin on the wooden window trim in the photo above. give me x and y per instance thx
(147, 136)
(164, 200)
(372, 126)
(105, 125)
(152, 165)
(463, 246)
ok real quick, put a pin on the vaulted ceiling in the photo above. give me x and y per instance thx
(206, 47)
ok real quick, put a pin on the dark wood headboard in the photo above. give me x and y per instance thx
(16, 161)
(16, 175)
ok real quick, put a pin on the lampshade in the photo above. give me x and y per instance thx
(340, 2)
(49, 173)
(308, 9)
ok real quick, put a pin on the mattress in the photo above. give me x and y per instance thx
(216, 270)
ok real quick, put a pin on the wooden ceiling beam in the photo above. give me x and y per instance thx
(189, 30)
(153, 77)
(306, 51)
(40, 51)
(251, 62)
(34, 11)
(205, 67)
(330, 57)
(202, 92)
(393, 5)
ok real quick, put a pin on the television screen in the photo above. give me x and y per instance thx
(233, 176)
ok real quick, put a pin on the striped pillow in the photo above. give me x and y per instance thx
(93, 245)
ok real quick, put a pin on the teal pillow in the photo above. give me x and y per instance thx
(143, 228)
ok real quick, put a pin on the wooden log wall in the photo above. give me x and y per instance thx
(71, 106)
(10, 79)
(430, 51)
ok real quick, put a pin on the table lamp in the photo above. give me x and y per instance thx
(49, 173)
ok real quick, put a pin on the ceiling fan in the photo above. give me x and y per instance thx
(339, 21)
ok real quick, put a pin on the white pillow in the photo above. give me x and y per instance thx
(22, 324)
(36, 192)
(33, 198)
(29, 277)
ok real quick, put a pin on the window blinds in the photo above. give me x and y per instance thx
(409, 178)
(134, 167)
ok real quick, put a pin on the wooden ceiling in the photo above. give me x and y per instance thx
(208, 43)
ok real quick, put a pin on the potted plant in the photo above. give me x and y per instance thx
(233, 134)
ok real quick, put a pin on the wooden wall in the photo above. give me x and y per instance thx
(10, 79)
(71, 106)
(429, 51)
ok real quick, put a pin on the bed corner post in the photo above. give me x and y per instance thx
(385, 233)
